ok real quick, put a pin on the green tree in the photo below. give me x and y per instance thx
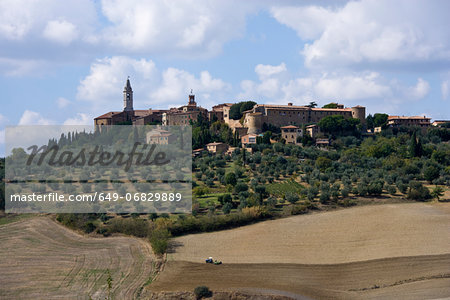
(323, 163)
(437, 192)
(237, 109)
(159, 240)
(338, 125)
(230, 178)
(227, 208)
(431, 173)
(291, 197)
(418, 192)
(330, 105)
(312, 104)
(380, 120)
(415, 146)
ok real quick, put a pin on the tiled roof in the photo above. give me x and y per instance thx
(408, 118)
(109, 115)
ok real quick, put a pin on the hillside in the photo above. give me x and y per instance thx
(40, 259)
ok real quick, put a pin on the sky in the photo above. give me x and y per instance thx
(66, 62)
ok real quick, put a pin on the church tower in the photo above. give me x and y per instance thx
(192, 99)
(128, 96)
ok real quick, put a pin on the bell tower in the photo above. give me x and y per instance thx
(128, 96)
(192, 99)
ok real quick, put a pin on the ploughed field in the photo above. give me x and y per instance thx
(40, 259)
(379, 251)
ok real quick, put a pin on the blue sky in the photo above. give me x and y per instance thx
(65, 62)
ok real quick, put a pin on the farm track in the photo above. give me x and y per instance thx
(40, 259)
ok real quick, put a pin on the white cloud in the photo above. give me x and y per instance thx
(20, 19)
(199, 27)
(19, 67)
(62, 102)
(371, 32)
(265, 71)
(3, 120)
(445, 85)
(351, 87)
(152, 88)
(370, 89)
(33, 118)
(61, 32)
(177, 83)
(309, 22)
(419, 91)
(104, 85)
(79, 119)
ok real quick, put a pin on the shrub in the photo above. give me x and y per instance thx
(403, 188)
(159, 240)
(135, 227)
(291, 198)
(347, 203)
(391, 189)
(345, 191)
(418, 192)
(431, 173)
(202, 291)
(240, 187)
(323, 163)
(225, 198)
(89, 227)
(375, 188)
(230, 178)
(271, 201)
(227, 208)
(324, 196)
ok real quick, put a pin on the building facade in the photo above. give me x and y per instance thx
(395, 121)
(290, 134)
(185, 114)
(285, 115)
(129, 115)
(217, 147)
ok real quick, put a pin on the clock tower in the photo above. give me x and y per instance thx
(128, 96)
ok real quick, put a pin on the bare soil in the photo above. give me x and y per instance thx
(40, 259)
(388, 251)
(348, 235)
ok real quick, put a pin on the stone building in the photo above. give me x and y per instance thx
(290, 133)
(248, 140)
(217, 147)
(160, 137)
(284, 115)
(395, 121)
(216, 113)
(313, 130)
(184, 114)
(440, 123)
(129, 115)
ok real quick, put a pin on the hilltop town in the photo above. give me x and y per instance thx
(249, 120)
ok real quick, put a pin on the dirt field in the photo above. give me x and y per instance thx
(40, 259)
(382, 252)
(354, 234)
